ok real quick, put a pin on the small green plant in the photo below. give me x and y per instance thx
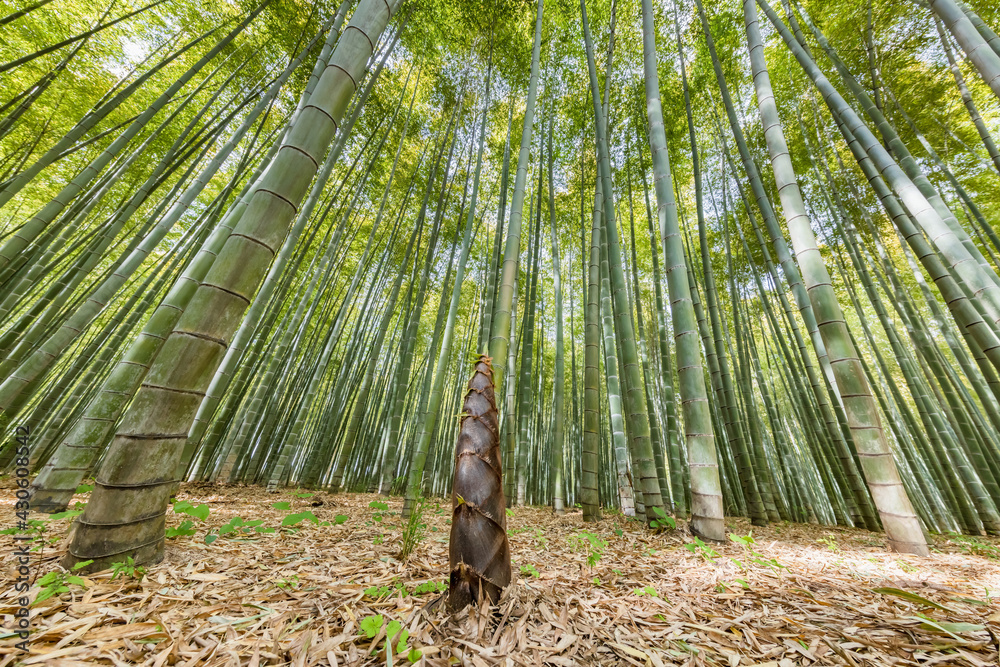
(385, 590)
(699, 548)
(381, 510)
(662, 521)
(430, 587)
(747, 542)
(414, 531)
(378, 539)
(597, 581)
(975, 546)
(299, 517)
(237, 527)
(185, 529)
(371, 625)
(768, 562)
(509, 511)
(593, 544)
(84, 488)
(288, 583)
(377, 591)
(906, 567)
(199, 512)
(36, 528)
(830, 541)
(339, 519)
(543, 542)
(32, 527)
(128, 568)
(530, 570)
(395, 634)
(646, 590)
(247, 526)
(57, 583)
(742, 540)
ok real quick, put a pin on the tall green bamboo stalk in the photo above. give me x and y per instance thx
(901, 524)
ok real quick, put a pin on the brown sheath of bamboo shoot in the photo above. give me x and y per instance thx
(479, 554)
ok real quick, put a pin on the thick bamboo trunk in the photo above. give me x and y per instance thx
(126, 510)
(901, 524)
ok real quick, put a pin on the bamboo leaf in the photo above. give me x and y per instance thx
(912, 597)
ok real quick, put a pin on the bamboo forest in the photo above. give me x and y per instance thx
(500, 332)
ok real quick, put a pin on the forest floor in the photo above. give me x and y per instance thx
(326, 593)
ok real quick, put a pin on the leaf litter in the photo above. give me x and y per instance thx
(329, 587)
